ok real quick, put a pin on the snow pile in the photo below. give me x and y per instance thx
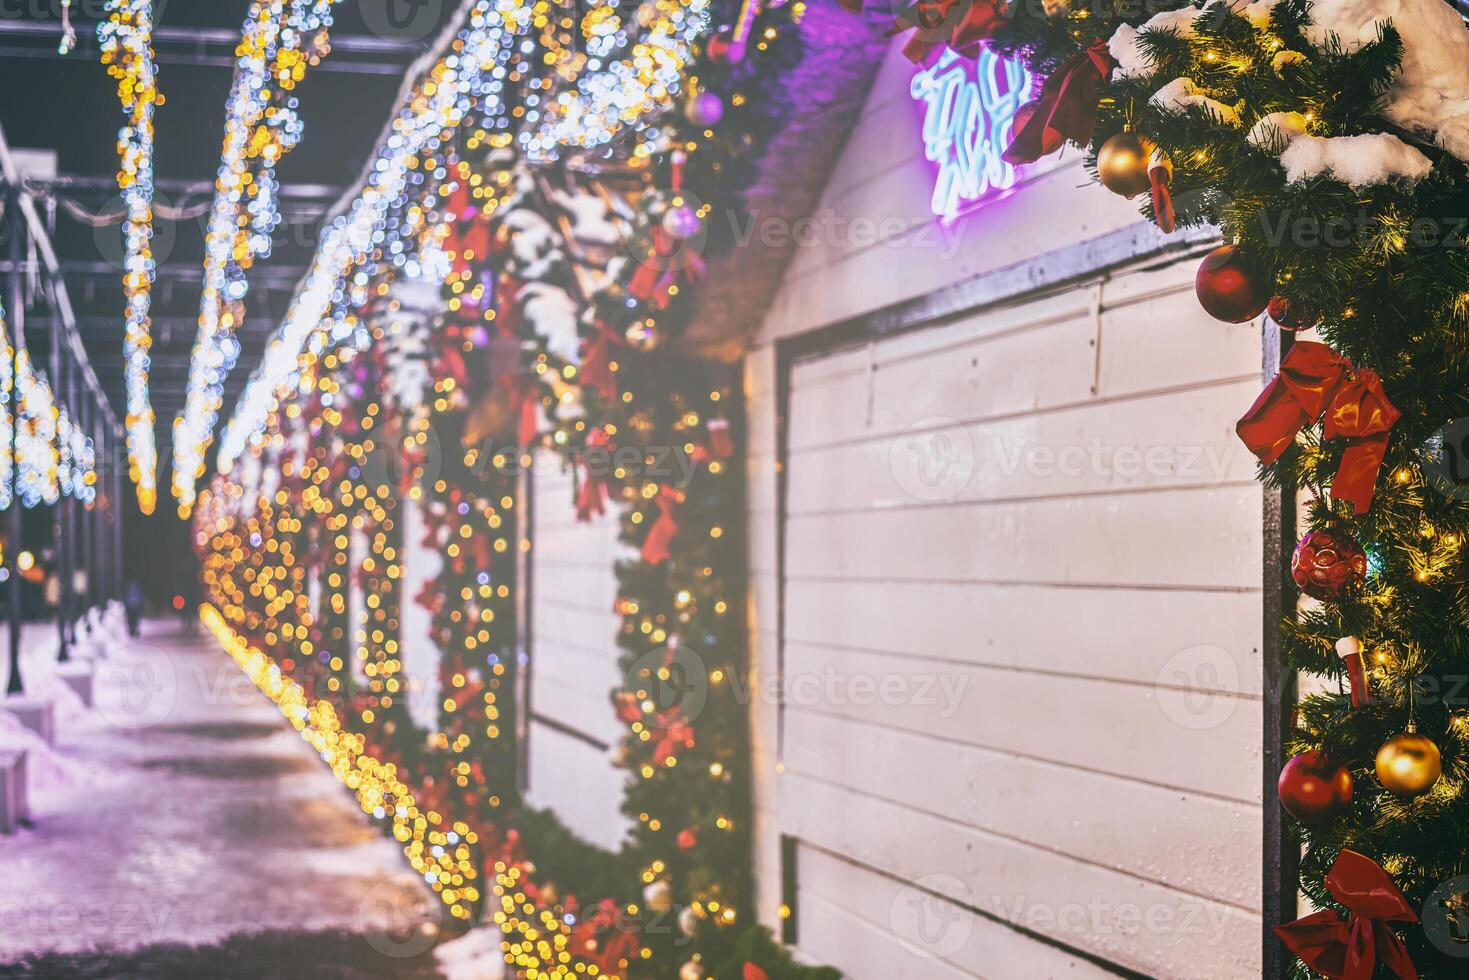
(591, 219)
(1358, 161)
(1181, 93)
(1431, 94)
(473, 956)
(1126, 47)
(45, 767)
(553, 313)
(1275, 131)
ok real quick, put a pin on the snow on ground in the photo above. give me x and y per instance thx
(184, 809)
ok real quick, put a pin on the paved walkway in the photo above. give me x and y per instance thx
(183, 811)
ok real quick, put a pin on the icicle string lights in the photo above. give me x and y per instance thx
(280, 41)
(126, 39)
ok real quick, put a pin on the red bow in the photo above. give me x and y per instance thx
(592, 497)
(668, 264)
(665, 528)
(957, 24)
(1315, 381)
(605, 937)
(674, 733)
(596, 362)
(1349, 948)
(1067, 107)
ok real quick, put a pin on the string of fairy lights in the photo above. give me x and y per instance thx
(606, 99)
(279, 42)
(54, 457)
(125, 39)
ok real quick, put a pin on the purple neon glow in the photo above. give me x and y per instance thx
(969, 107)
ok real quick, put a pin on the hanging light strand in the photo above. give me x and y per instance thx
(279, 42)
(126, 39)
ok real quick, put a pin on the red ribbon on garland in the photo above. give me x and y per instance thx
(957, 24)
(663, 269)
(665, 528)
(592, 498)
(605, 937)
(1350, 947)
(1315, 382)
(596, 362)
(1067, 107)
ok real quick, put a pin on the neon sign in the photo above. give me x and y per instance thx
(969, 108)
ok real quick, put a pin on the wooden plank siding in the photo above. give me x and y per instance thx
(572, 726)
(1021, 698)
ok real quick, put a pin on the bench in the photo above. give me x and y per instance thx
(37, 715)
(79, 675)
(14, 809)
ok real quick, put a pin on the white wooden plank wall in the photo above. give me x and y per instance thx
(417, 650)
(990, 671)
(574, 661)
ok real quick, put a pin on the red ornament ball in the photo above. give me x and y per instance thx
(688, 839)
(1329, 565)
(1228, 289)
(1312, 788)
(1051, 139)
(723, 49)
(1290, 316)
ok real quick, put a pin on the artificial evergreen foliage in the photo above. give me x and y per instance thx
(1391, 291)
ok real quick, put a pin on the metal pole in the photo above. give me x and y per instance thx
(62, 523)
(17, 337)
(73, 385)
(84, 540)
(116, 458)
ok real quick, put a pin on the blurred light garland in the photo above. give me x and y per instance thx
(7, 418)
(279, 42)
(442, 855)
(337, 282)
(35, 439)
(628, 91)
(126, 39)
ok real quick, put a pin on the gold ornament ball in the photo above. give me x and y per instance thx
(1409, 764)
(1122, 164)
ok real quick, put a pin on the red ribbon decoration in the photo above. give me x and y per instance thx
(957, 24)
(1162, 199)
(1067, 107)
(605, 937)
(665, 528)
(596, 362)
(592, 497)
(1315, 382)
(1349, 649)
(1349, 948)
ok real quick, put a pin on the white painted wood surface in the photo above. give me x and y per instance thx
(574, 661)
(1021, 727)
(417, 650)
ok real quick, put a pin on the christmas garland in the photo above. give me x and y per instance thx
(531, 326)
(1329, 142)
